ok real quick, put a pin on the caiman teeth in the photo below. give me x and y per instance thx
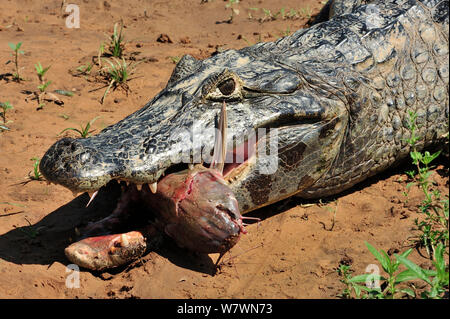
(92, 196)
(139, 187)
(154, 187)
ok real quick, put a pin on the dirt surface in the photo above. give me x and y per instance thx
(292, 253)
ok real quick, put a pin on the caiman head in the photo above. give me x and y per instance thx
(285, 126)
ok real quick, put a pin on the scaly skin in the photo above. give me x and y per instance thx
(338, 92)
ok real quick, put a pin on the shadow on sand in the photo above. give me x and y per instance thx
(44, 242)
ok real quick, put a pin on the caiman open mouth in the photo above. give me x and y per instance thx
(195, 207)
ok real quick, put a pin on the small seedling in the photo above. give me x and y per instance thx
(5, 106)
(43, 86)
(36, 174)
(31, 231)
(286, 33)
(246, 40)
(175, 59)
(83, 131)
(116, 45)
(41, 71)
(333, 219)
(117, 75)
(101, 51)
(15, 54)
(233, 11)
(85, 69)
(282, 13)
(306, 12)
(250, 13)
(64, 116)
(42, 94)
(292, 14)
(344, 272)
(268, 16)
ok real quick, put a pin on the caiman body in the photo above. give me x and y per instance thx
(335, 96)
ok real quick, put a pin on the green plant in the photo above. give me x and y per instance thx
(42, 87)
(437, 278)
(306, 12)
(117, 75)
(101, 51)
(344, 272)
(282, 13)
(84, 131)
(175, 59)
(30, 230)
(333, 219)
(250, 14)
(434, 225)
(268, 15)
(249, 43)
(391, 267)
(434, 236)
(5, 106)
(43, 94)
(292, 14)
(15, 54)
(41, 71)
(85, 69)
(64, 116)
(36, 175)
(116, 45)
(233, 11)
(286, 33)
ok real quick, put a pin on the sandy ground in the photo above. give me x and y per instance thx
(292, 253)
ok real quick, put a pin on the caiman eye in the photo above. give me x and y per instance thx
(227, 87)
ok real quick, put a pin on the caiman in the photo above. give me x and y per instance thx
(310, 115)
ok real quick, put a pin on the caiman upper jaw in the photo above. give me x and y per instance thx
(69, 163)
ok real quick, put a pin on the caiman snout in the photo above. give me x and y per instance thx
(79, 166)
